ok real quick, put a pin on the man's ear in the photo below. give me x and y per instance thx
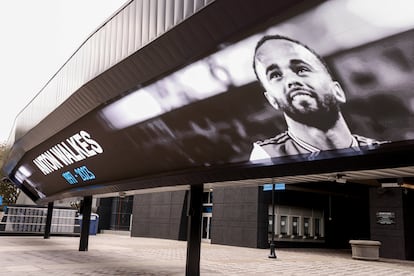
(338, 92)
(271, 100)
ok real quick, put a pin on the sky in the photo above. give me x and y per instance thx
(38, 37)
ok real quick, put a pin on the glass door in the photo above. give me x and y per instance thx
(207, 215)
(206, 227)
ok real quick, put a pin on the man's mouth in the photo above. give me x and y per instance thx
(300, 93)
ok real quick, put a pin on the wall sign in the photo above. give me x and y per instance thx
(386, 218)
(74, 149)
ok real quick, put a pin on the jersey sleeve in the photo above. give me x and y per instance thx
(258, 153)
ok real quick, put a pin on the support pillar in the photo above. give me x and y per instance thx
(86, 207)
(194, 230)
(48, 220)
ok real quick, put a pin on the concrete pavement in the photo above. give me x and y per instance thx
(122, 255)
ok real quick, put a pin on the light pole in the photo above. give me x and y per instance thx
(272, 243)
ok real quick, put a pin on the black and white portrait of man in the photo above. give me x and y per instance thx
(298, 83)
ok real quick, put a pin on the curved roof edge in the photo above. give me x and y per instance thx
(71, 92)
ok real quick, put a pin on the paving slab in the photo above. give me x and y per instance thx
(111, 254)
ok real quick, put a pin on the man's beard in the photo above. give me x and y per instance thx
(323, 117)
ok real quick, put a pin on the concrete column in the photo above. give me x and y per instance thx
(48, 220)
(194, 230)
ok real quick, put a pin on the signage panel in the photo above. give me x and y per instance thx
(385, 218)
(278, 187)
(312, 94)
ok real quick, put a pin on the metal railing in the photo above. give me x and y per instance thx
(32, 219)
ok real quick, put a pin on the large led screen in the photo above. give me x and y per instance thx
(331, 82)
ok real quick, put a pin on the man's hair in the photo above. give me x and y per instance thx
(276, 37)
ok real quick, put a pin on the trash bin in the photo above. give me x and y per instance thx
(93, 224)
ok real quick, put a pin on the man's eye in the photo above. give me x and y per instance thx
(302, 70)
(275, 76)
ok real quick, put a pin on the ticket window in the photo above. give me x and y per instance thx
(317, 227)
(283, 225)
(295, 226)
(306, 227)
(270, 229)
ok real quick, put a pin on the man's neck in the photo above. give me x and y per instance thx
(337, 137)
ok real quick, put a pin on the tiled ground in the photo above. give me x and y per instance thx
(122, 255)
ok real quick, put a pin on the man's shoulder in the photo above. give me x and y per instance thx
(365, 141)
(277, 140)
(280, 145)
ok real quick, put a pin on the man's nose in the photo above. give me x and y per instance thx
(292, 80)
(294, 84)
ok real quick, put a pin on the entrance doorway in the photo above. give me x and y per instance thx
(206, 216)
(206, 227)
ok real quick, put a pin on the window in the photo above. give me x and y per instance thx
(306, 227)
(295, 226)
(317, 225)
(283, 225)
(270, 225)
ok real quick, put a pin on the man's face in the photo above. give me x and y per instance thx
(296, 81)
